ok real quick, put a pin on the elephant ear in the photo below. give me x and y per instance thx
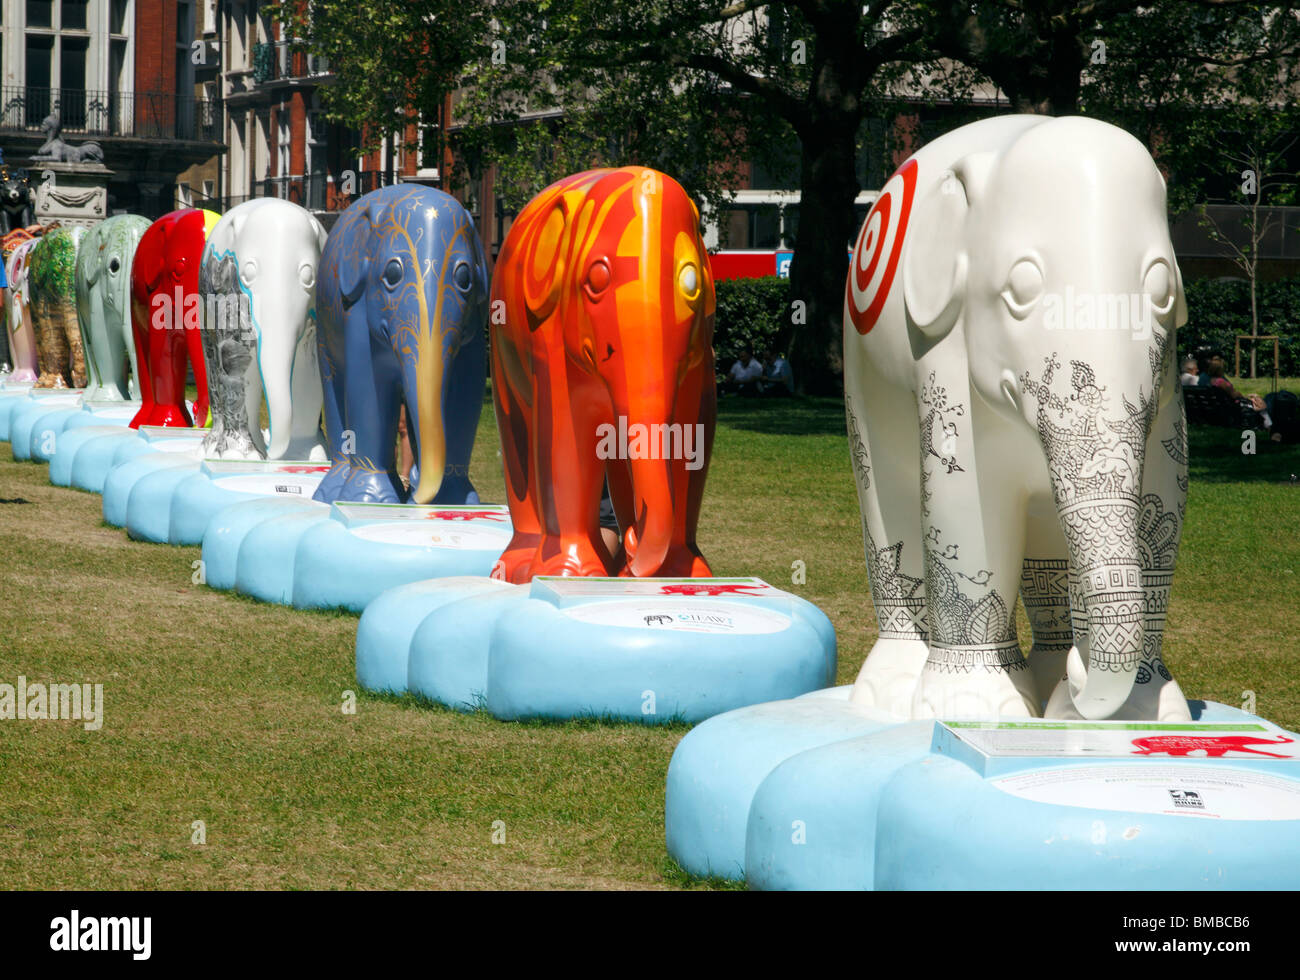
(94, 263)
(1180, 298)
(237, 222)
(354, 264)
(934, 255)
(151, 263)
(544, 262)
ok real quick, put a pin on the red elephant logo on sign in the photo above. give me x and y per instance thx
(165, 317)
(1214, 746)
(709, 589)
(602, 368)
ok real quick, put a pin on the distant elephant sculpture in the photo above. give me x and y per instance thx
(15, 199)
(258, 284)
(103, 282)
(52, 289)
(165, 317)
(602, 369)
(1010, 310)
(18, 314)
(402, 304)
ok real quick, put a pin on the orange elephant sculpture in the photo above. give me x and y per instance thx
(602, 368)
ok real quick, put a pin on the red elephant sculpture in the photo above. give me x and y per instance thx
(1214, 746)
(165, 317)
(602, 368)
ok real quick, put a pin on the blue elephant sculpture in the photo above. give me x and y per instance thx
(401, 302)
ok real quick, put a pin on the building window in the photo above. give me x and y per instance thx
(56, 50)
(282, 141)
(73, 15)
(117, 22)
(40, 13)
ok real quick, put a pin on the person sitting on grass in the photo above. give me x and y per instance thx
(745, 374)
(778, 379)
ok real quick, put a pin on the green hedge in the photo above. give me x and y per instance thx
(755, 312)
(751, 313)
(1219, 309)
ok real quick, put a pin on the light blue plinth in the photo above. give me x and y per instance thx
(13, 401)
(366, 549)
(177, 505)
(266, 563)
(390, 622)
(43, 429)
(149, 504)
(73, 440)
(216, 486)
(226, 531)
(108, 413)
(51, 411)
(644, 650)
(818, 793)
(95, 458)
(122, 478)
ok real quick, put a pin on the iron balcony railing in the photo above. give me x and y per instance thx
(315, 192)
(90, 113)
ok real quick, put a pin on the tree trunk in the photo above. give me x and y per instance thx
(1254, 280)
(827, 225)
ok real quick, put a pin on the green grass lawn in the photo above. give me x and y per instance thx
(227, 711)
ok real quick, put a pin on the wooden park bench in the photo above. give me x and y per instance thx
(1210, 405)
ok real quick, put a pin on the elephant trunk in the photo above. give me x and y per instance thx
(652, 483)
(424, 425)
(1108, 600)
(275, 355)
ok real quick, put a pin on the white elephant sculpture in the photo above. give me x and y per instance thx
(1016, 424)
(18, 315)
(257, 282)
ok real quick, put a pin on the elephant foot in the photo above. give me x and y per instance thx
(1156, 696)
(962, 683)
(50, 379)
(679, 562)
(200, 414)
(889, 676)
(1048, 667)
(575, 557)
(349, 482)
(171, 416)
(516, 561)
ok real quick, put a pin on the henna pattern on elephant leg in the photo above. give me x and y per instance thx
(899, 598)
(1045, 591)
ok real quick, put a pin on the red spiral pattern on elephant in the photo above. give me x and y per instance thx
(881, 240)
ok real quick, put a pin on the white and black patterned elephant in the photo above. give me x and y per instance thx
(1010, 313)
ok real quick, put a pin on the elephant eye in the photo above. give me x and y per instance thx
(249, 272)
(598, 277)
(1024, 287)
(393, 273)
(114, 265)
(689, 278)
(1158, 284)
(461, 276)
(181, 265)
(307, 275)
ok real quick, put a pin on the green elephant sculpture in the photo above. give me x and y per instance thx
(53, 300)
(103, 290)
